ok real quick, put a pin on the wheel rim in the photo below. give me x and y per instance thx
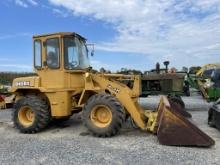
(101, 116)
(26, 116)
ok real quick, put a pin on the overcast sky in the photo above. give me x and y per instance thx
(127, 33)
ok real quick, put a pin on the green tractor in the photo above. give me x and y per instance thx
(207, 82)
(211, 87)
(161, 81)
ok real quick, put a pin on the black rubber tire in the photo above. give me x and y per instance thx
(177, 100)
(187, 92)
(211, 119)
(186, 88)
(41, 110)
(118, 115)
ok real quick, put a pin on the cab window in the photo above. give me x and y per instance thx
(53, 53)
(37, 54)
(75, 54)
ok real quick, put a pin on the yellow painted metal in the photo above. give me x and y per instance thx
(162, 107)
(101, 116)
(26, 116)
(202, 89)
(60, 103)
(152, 116)
(67, 90)
(124, 95)
(206, 67)
(58, 85)
(2, 104)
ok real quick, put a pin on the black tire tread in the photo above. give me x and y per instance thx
(178, 101)
(211, 120)
(41, 110)
(117, 112)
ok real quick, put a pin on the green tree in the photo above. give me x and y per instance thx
(194, 69)
(6, 78)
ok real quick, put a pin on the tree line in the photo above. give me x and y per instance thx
(191, 70)
(6, 78)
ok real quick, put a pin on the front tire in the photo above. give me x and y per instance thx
(103, 115)
(31, 114)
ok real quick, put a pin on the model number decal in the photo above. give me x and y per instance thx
(23, 83)
(116, 90)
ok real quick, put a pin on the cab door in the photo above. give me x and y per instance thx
(51, 69)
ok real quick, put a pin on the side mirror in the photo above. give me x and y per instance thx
(93, 48)
(92, 53)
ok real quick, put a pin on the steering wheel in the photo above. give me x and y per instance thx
(73, 64)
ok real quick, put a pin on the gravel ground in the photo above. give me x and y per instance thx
(70, 143)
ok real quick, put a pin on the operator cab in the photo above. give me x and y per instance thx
(60, 51)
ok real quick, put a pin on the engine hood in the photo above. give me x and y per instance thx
(25, 83)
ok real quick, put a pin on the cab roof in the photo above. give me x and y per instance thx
(59, 33)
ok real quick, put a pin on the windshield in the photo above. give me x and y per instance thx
(216, 75)
(208, 73)
(75, 54)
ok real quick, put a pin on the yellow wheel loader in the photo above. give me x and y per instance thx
(65, 85)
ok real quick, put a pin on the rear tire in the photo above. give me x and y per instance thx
(186, 89)
(31, 114)
(103, 115)
(177, 103)
(177, 100)
(211, 119)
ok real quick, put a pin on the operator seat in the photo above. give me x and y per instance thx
(52, 60)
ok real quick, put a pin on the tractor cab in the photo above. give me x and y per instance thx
(60, 51)
(58, 55)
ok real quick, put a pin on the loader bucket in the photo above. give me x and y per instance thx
(175, 128)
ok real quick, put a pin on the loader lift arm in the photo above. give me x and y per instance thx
(126, 96)
(207, 67)
(172, 125)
